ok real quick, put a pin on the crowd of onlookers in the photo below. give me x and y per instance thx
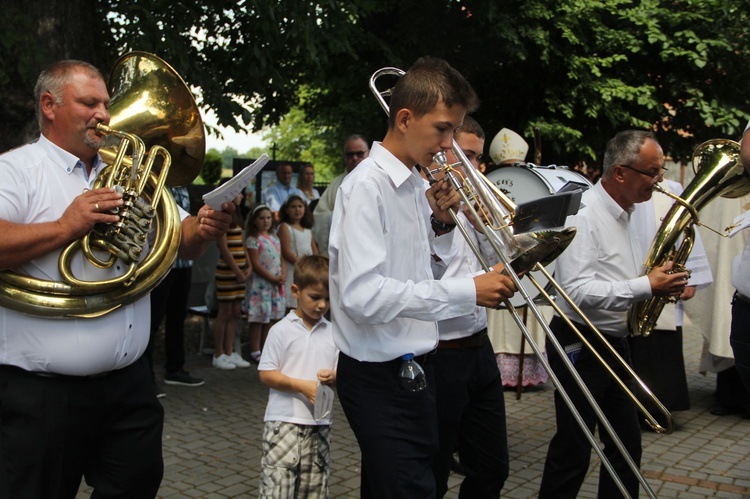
(254, 274)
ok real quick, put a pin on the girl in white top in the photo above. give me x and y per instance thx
(296, 239)
(305, 183)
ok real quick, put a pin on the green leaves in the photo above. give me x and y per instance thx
(580, 69)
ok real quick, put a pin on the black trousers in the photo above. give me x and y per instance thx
(471, 411)
(740, 338)
(658, 361)
(54, 430)
(170, 299)
(569, 451)
(396, 429)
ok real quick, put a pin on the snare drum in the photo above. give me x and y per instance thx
(523, 183)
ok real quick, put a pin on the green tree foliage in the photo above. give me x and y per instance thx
(580, 70)
(33, 34)
(248, 57)
(211, 172)
(296, 139)
(227, 157)
(254, 152)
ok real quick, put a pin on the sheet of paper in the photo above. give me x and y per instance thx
(323, 402)
(227, 192)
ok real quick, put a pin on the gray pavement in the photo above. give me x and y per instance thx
(212, 442)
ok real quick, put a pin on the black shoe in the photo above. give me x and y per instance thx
(456, 466)
(182, 378)
(724, 410)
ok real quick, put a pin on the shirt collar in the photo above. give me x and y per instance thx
(392, 166)
(292, 316)
(610, 204)
(65, 160)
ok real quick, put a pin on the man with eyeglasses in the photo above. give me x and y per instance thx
(355, 151)
(600, 270)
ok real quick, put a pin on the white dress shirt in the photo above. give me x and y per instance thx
(457, 259)
(384, 300)
(601, 267)
(276, 193)
(40, 180)
(299, 353)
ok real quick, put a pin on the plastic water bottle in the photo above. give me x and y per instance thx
(411, 374)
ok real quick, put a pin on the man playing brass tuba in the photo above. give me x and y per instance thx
(600, 271)
(77, 396)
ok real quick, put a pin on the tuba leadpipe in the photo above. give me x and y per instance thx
(496, 215)
(151, 104)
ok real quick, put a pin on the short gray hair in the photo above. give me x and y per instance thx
(54, 77)
(356, 136)
(623, 149)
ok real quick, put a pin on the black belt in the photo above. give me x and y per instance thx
(558, 322)
(41, 374)
(419, 359)
(474, 341)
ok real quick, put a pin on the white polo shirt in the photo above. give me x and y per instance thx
(300, 353)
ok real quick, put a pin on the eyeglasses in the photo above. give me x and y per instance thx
(358, 154)
(651, 175)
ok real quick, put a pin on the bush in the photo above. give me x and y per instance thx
(211, 172)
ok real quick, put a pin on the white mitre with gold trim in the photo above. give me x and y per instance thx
(508, 146)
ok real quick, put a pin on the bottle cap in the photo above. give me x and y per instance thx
(407, 356)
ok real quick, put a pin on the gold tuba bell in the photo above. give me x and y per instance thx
(718, 172)
(151, 104)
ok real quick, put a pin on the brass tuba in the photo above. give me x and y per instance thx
(718, 172)
(151, 104)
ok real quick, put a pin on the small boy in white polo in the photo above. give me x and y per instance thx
(299, 355)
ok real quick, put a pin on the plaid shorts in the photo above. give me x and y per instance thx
(295, 461)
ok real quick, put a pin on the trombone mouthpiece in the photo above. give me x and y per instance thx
(440, 159)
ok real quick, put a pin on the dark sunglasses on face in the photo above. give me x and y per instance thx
(358, 154)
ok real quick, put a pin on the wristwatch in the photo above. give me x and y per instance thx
(440, 227)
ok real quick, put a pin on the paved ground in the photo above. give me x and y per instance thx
(212, 442)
